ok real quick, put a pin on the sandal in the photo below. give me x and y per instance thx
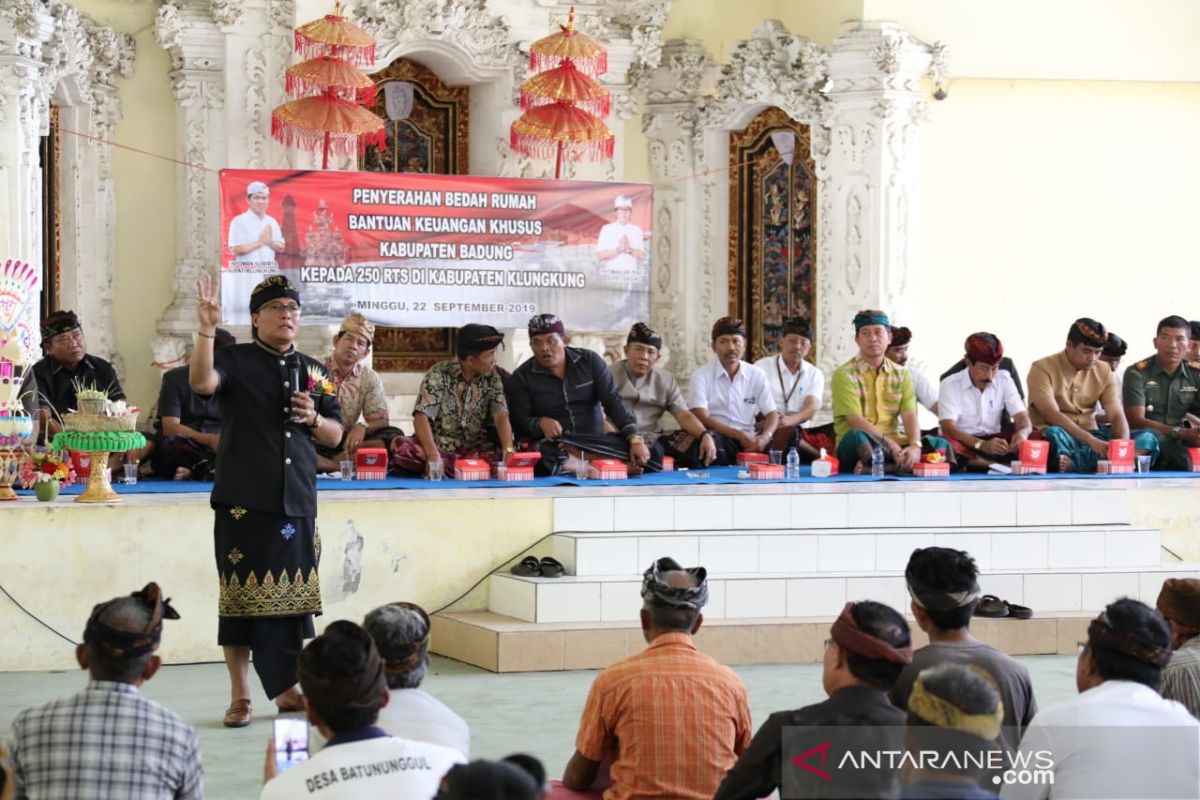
(552, 568)
(528, 568)
(992, 607)
(237, 715)
(1019, 612)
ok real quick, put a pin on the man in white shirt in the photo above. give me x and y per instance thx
(1119, 738)
(342, 676)
(728, 394)
(971, 405)
(401, 633)
(797, 388)
(925, 389)
(619, 245)
(254, 236)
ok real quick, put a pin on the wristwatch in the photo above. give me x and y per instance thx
(508, 451)
(637, 438)
(1175, 432)
(316, 423)
(709, 433)
(979, 444)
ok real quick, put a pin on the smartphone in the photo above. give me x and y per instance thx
(291, 741)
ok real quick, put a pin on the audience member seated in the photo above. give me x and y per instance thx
(650, 392)
(455, 404)
(1160, 391)
(342, 677)
(971, 404)
(188, 424)
(798, 388)
(729, 395)
(109, 741)
(1063, 391)
(1117, 675)
(897, 351)
(401, 634)
(869, 648)
(944, 587)
(491, 780)
(872, 396)
(1179, 603)
(65, 366)
(1114, 350)
(954, 714)
(670, 720)
(559, 399)
(360, 394)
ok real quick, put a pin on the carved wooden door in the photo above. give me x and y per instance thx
(433, 139)
(772, 229)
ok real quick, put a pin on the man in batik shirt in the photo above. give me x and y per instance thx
(456, 401)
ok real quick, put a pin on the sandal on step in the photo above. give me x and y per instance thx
(1019, 612)
(552, 568)
(237, 715)
(528, 568)
(992, 607)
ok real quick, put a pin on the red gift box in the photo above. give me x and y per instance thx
(745, 458)
(522, 459)
(668, 464)
(1034, 454)
(82, 463)
(1121, 452)
(766, 472)
(518, 474)
(370, 464)
(832, 462)
(931, 469)
(1194, 459)
(611, 469)
(471, 469)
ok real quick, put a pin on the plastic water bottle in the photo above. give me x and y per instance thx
(877, 462)
(793, 465)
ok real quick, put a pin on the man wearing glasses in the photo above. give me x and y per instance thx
(66, 367)
(278, 406)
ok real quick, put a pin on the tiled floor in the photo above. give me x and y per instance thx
(533, 712)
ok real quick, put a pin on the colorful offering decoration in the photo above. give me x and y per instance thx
(98, 435)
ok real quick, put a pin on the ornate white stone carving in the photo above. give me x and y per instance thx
(467, 24)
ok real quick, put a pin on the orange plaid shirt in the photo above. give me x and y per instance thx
(674, 720)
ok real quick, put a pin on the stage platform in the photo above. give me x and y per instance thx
(782, 558)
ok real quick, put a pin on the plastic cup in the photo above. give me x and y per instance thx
(347, 470)
(131, 473)
(436, 470)
(1143, 464)
(501, 471)
(776, 456)
(581, 469)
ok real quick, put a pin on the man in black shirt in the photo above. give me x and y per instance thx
(870, 644)
(188, 425)
(559, 399)
(277, 406)
(68, 365)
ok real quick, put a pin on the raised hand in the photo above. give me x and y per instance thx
(208, 306)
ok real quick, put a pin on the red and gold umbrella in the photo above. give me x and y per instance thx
(588, 54)
(325, 75)
(565, 82)
(333, 34)
(328, 125)
(559, 130)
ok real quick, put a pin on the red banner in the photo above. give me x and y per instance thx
(411, 250)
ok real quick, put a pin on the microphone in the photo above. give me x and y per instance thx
(293, 368)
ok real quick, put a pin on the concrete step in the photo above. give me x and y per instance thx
(781, 550)
(615, 598)
(845, 505)
(503, 644)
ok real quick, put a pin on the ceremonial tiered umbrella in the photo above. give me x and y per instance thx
(564, 102)
(327, 114)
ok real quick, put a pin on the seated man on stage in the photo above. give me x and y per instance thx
(1114, 350)
(1161, 390)
(798, 388)
(1063, 391)
(650, 392)
(189, 424)
(872, 397)
(728, 395)
(455, 403)
(67, 365)
(560, 398)
(360, 394)
(971, 404)
(925, 389)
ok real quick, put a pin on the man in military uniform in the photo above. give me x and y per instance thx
(1160, 390)
(277, 406)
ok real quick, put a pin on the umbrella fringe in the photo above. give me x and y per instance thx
(313, 141)
(596, 106)
(308, 48)
(547, 149)
(588, 65)
(299, 87)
